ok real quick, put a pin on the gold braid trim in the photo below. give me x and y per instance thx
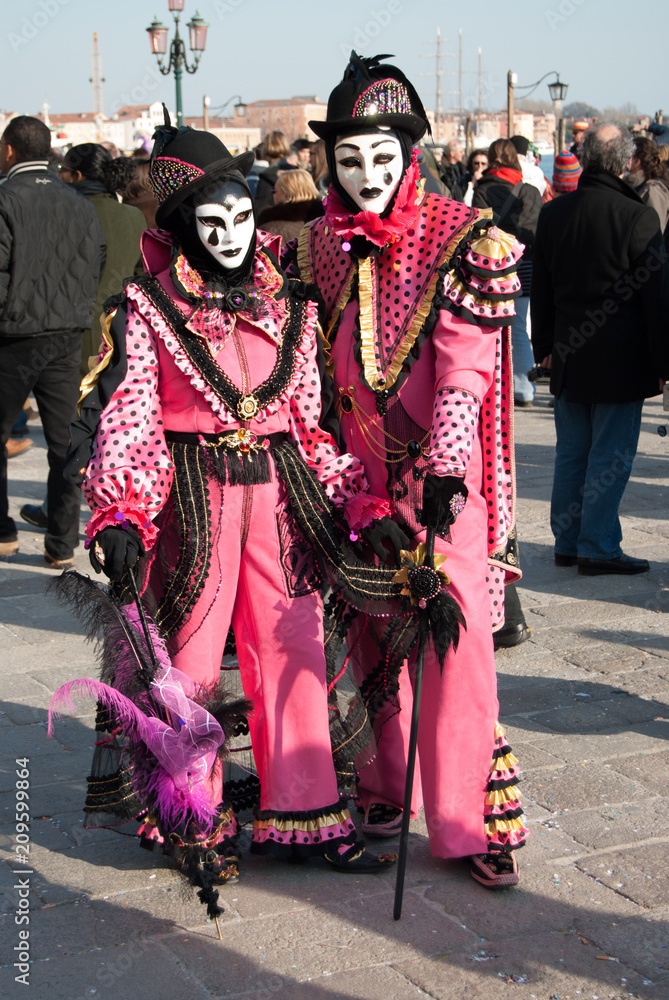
(303, 261)
(306, 826)
(366, 317)
(110, 805)
(306, 274)
(336, 313)
(89, 381)
(95, 795)
(367, 352)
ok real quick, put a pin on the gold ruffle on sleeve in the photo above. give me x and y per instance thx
(303, 261)
(89, 381)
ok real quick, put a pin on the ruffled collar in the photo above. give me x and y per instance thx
(260, 301)
(380, 231)
(265, 280)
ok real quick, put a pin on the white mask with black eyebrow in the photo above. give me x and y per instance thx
(226, 227)
(369, 168)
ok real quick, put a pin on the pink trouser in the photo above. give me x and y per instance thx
(279, 642)
(458, 711)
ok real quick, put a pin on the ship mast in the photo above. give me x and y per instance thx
(97, 80)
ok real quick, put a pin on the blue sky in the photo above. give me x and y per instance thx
(260, 49)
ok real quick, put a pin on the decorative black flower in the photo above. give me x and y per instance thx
(236, 299)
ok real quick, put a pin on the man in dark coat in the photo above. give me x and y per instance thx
(599, 300)
(452, 168)
(52, 254)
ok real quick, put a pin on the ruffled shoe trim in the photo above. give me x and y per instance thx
(504, 819)
(302, 834)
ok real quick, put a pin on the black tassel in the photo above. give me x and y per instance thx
(208, 896)
(104, 624)
(217, 457)
(444, 621)
(230, 712)
(250, 469)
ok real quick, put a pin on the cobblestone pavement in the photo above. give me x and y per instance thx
(586, 707)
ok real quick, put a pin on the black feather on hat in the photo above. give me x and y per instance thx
(373, 94)
(184, 160)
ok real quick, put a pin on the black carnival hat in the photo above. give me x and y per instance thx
(373, 94)
(184, 160)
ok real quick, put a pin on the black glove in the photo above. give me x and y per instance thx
(443, 499)
(115, 549)
(385, 529)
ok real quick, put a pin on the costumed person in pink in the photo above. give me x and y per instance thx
(201, 422)
(418, 295)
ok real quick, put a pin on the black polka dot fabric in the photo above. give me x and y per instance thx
(402, 274)
(454, 431)
(130, 470)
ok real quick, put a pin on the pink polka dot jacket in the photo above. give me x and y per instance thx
(130, 474)
(437, 302)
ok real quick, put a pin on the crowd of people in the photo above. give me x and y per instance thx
(298, 371)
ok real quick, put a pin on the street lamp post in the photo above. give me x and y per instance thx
(558, 92)
(178, 61)
(511, 81)
(239, 108)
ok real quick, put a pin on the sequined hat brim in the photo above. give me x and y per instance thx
(414, 126)
(242, 162)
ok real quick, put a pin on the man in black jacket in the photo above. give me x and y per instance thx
(52, 253)
(600, 301)
(452, 168)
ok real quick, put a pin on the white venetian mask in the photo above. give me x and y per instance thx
(369, 168)
(226, 226)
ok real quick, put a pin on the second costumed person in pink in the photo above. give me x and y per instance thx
(418, 294)
(213, 372)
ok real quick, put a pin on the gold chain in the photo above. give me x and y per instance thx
(358, 412)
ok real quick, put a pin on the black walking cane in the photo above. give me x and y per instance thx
(142, 617)
(413, 740)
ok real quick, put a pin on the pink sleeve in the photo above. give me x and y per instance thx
(341, 475)
(464, 370)
(454, 425)
(130, 473)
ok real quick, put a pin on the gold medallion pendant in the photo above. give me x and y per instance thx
(247, 407)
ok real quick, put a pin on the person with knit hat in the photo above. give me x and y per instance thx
(566, 172)
(418, 295)
(205, 466)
